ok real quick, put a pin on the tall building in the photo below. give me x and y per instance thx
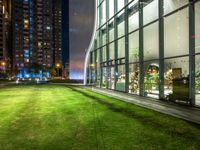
(32, 35)
(43, 33)
(149, 48)
(65, 38)
(22, 35)
(57, 31)
(5, 31)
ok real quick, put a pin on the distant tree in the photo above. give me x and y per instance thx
(53, 72)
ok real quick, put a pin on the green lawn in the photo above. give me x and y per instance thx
(56, 117)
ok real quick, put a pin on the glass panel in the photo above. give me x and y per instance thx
(121, 48)
(176, 72)
(111, 78)
(197, 25)
(98, 68)
(150, 11)
(134, 72)
(151, 79)
(151, 42)
(120, 84)
(132, 3)
(103, 12)
(104, 78)
(176, 34)
(170, 5)
(121, 29)
(104, 39)
(111, 30)
(111, 8)
(134, 22)
(104, 54)
(111, 35)
(134, 47)
(120, 5)
(197, 75)
(112, 51)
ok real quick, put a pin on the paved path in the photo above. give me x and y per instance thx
(184, 112)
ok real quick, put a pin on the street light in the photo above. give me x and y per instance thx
(3, 64)
(57, 68)
(57, 65)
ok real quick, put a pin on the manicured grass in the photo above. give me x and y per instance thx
(55, 117)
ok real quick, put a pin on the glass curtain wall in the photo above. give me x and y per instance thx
(146, 51)
(197, 51)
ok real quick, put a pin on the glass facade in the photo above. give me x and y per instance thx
(149, 48)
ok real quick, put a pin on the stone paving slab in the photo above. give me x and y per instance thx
(188, 113)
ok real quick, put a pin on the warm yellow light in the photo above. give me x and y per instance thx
(92, 65)
(3, 64)
(26, 21)
(58, 65)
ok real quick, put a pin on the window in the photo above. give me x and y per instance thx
(176, 72)
(121, 29)
(150, 11)
(176, 34)
(104, 56)
(104, 39)
(134, 22)
(121, 76)
(134, 47)
(151, 79)
(111, 35)
(134, 72)
(170, 5)
(197, 81)
(121, 48)
(151, 42)
(111, 8)
(197, 26)
(112, 51)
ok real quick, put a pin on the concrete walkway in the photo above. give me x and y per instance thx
(184, 112)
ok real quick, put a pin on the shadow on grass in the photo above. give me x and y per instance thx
(171, 128)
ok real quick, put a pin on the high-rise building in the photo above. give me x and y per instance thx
(32, 35)
(57, 31)
(22, 35)
(65, 38)
(149, 48)
(5, 26)
(43, 33)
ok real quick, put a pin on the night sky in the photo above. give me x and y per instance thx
(81, 27)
